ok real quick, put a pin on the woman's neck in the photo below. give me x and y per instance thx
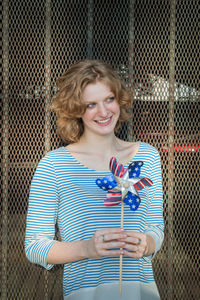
(95, 152)
(98, 144)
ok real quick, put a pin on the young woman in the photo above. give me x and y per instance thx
(91, 104)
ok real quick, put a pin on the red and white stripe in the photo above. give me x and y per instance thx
(143, 183)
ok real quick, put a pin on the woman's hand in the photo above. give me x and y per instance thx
(103, 242)
(138, 244)
(133, 244)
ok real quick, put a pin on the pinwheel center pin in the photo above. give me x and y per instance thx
(126, 185)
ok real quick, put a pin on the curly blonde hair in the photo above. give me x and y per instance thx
(68, 104)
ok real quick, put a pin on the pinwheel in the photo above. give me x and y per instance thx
(122, 186)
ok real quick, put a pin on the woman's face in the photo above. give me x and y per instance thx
(102, 109)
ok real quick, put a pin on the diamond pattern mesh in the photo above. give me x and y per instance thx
(154, 46)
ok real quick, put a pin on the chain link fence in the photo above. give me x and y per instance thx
(154, 46)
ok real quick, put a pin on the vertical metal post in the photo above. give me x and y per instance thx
(131, 64)
(90, 28)
(47, 74)
(47, 98)
(171, 147)
(5, 162)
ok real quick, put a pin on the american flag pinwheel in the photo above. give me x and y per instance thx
(123, 184)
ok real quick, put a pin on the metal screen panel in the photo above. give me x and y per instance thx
(154, 46)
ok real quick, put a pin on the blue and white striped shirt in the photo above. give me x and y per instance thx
(64, 191)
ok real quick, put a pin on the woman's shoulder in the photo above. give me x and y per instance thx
(57, 160)
(54, 156)
(148, 147)
(54, 153)
(148, 153)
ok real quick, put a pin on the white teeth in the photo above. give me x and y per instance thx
(104, 121)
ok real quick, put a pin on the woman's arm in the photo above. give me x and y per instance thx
(96, 247)
(155, 221)
(42, 213)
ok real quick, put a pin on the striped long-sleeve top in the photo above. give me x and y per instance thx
(64, 191)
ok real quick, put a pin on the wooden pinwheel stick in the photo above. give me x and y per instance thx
(121, 256)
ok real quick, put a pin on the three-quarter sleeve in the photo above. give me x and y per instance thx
(42, 214)
(154, 222)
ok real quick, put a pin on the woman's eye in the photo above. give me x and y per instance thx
(90, 105)
(110, 99)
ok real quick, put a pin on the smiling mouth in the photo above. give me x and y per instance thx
(105, 121)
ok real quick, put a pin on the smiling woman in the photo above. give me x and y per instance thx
(69, 105)
(91, 104)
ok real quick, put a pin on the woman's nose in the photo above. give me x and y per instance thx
(102, 110)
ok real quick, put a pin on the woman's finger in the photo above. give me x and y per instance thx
(113, 237)
(111, 234)
(135, 254)
(131, 247)
(133, 240)
(110, 245)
